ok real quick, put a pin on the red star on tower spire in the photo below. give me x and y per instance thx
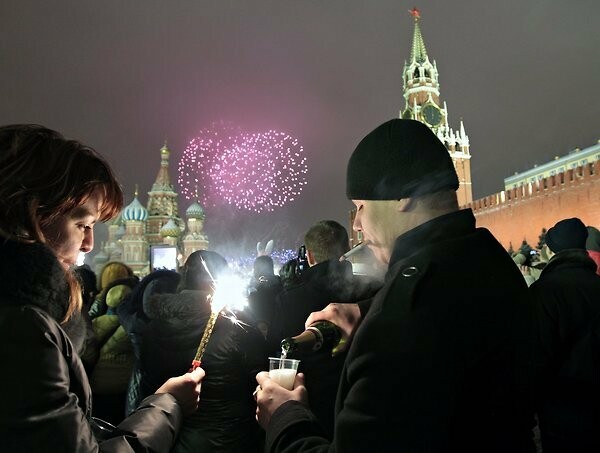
(415, 13)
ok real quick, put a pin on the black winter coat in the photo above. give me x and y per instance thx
(46, 397)
(225, 419)
(567, 307)
(434, 366)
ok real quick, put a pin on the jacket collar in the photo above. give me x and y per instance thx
(442, 228)
(31, 275)
(570, 258)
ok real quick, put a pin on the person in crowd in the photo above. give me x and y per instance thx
(531, 263)
(52, 192)
(134, 320)
(263, 290)
(110, 377)
(567, 313)
(592, 245)
(326, 279)
(235, 352)
(111, 274)
(289, 274)
(435, 364)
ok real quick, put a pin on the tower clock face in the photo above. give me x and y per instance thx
(432, 115)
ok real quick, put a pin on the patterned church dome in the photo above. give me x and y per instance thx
(135, 211)
(170, 229)
(195, 211)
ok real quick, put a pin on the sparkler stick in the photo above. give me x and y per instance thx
(204, 341)
(210, 324)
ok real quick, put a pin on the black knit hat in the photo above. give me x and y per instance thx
(399, 159)
(567, 234)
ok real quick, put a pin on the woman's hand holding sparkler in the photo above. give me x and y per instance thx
(185, 389)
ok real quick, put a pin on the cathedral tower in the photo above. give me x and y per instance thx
(162, 200)
(422, 96)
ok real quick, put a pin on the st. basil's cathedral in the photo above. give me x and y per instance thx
(132, 234)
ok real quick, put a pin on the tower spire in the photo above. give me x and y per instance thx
(418, 52)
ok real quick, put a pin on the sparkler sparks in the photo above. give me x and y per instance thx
(254, 172)
(228, 296)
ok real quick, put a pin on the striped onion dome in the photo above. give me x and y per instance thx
(195, 211)
(135, 211)
(170, 229)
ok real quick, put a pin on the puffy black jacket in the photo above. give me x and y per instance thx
(225, 420)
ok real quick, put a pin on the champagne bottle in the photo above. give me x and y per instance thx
(320, 335)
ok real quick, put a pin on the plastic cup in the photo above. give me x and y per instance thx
(283, 371)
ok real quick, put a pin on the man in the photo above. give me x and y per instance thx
(262, 292)
(434, 365)
(567, 307)
(326, 279)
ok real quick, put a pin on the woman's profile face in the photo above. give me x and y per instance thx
(73, 232)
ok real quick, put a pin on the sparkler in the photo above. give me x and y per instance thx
(228, 292)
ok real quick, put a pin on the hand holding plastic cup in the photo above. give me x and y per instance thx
(283, 371)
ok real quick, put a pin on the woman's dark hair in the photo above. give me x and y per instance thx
(43, 176)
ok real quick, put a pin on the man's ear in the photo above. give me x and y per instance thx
(405, 204)
(310, 258)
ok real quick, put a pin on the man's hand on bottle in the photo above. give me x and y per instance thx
(270, 395)
(185, 389)
(346, 316)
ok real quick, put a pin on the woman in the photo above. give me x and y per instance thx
(235, 353)
(52, 192)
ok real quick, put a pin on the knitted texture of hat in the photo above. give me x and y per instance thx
(567, 234)
(593, 239)
(399, 159)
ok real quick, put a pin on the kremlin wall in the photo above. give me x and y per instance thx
(520, 213)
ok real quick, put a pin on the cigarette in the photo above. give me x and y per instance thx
(355, 249)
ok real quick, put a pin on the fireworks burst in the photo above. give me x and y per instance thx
(255, 172)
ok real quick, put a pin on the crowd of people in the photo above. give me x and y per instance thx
(457, 349)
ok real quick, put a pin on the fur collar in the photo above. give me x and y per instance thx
(31, 275)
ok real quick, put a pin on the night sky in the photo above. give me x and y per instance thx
(123, 76)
